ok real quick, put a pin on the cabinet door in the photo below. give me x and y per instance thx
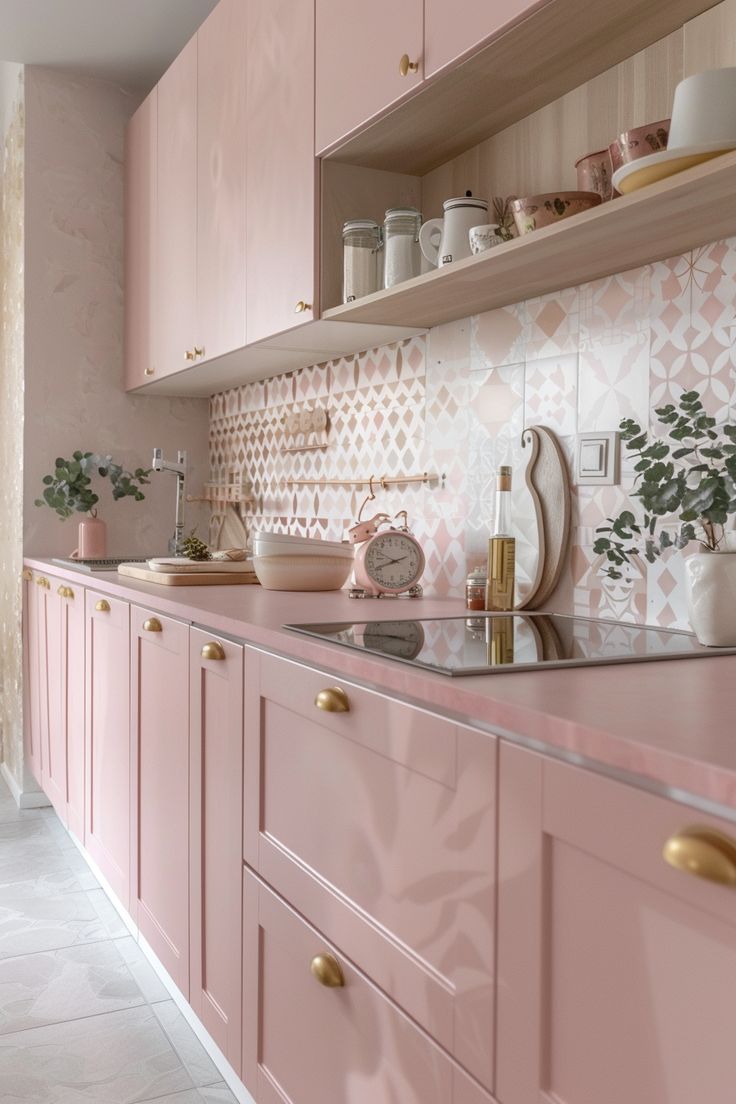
(451, 30)
(617, 973)
(107, 739)
(141, 138)
(359, 49)
(280, 166)
(221, 179)
(176, 218)
(54, 758)
(36, 660)
(215, 819)
(72, 650)
(160, 791)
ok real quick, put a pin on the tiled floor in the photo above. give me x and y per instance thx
(83, 1017)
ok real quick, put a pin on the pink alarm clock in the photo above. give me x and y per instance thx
(388, 562)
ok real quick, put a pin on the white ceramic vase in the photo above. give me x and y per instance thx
(711, 581)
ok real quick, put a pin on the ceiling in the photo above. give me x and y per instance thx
(130, 42)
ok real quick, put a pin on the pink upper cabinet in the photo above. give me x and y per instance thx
(140, 243)
(280, 167)
(221, 179)
(616, 972)
(176, 222)
(359, 52)
(454, 29)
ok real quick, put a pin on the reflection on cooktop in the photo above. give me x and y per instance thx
(486, 643)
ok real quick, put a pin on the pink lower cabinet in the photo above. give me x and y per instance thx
(63, 753)
(376, 820)
(37, 696)
(215, 824)
(318, 1031)
(159, 886)
(107, 739)
(616, 971)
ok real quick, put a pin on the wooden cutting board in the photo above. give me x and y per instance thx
(191, 578)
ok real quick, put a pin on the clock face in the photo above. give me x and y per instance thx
(394, 561)
(401, 639)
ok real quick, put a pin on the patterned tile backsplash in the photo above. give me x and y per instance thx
(455, 402)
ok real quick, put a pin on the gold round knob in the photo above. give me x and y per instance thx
(327, 971)
(148, 371)
(152, 624)
(302, 306)
(406, 66)
(27, 575)
(704, 852)
(69, 592)
(189, 354)
(199, 350)
(39, 581)
(42, 581)
(102, 606)
(213, 650)
(333, 700)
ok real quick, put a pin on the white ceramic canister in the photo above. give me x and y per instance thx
(361, 246)
(446, 240)
(402, 257)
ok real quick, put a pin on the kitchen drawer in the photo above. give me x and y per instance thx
(378, 824)
(307, 1043)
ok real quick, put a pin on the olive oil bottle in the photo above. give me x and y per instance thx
(501, 549)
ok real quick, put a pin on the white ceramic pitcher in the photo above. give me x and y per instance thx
(444, 240)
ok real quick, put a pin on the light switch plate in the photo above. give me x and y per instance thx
(598, 459)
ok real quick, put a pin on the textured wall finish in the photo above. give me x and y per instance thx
(457, 402)
(11, 418)
(74, 319)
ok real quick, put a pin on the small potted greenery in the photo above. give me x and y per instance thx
(686, 485)
(69, 490)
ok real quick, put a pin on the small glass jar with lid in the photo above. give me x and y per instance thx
(475, 589)
(361, 246)
(402, 255)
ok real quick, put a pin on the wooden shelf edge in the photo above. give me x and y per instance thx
(663, 220)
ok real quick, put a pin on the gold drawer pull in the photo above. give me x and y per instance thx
(302, 306)
(213, 650)
(189, 354)
(102, 606)
(62, 591)
(704, 852)
(327, 971)
(27, 575)
(42, 581)
(406, 66)
(65, 592)
(152, 624)
(333, 700)
(148, 371)
(199, 350)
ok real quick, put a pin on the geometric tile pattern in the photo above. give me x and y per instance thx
(457, 400)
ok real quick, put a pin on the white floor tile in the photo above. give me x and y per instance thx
(198, 1063)
(31, 922)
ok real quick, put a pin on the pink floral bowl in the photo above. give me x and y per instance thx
(534, 212)
(639, 142)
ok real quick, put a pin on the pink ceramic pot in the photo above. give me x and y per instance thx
(534, 212)
(92, 540)
(594, 174)
(639, 142)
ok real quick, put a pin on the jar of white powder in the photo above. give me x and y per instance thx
(402, 254)
(361, 242)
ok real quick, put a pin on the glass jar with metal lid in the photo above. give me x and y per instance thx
(361, 242)
(402, 257)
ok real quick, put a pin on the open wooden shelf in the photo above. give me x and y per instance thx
(560, 45)
(662, 220)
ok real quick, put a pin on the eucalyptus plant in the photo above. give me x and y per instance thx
(690, 473)
(69, 489)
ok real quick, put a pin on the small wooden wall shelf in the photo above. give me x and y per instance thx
(663, 220)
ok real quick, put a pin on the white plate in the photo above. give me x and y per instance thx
(181, 565)
(658, 166)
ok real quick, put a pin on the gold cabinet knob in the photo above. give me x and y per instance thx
(704, 852)
(27, 575)
(406, 66)
(69, 592)
(199, 350)
(43, 582)
(152, 624)
(327, 971)
(333, 700)
(189, 354)
(213, 650)
(302, 306)
(102, 606)
(148, 371)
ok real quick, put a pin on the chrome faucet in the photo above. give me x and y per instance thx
(179, 468)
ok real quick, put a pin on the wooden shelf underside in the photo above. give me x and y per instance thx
(662, 220)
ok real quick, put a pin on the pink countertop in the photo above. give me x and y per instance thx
(669, 724)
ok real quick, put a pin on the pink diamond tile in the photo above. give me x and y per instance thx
(499, 337)
(614, 308)
(550, 390)
(553, 324)
(614, 383)
(667, 602)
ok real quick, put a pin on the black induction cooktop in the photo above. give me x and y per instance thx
(491, 643)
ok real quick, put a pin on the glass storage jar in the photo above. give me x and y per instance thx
(402, 256)
(361, 245)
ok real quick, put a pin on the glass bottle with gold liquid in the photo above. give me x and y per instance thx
(501, 549)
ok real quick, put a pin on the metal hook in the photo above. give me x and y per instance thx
(369, 498)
